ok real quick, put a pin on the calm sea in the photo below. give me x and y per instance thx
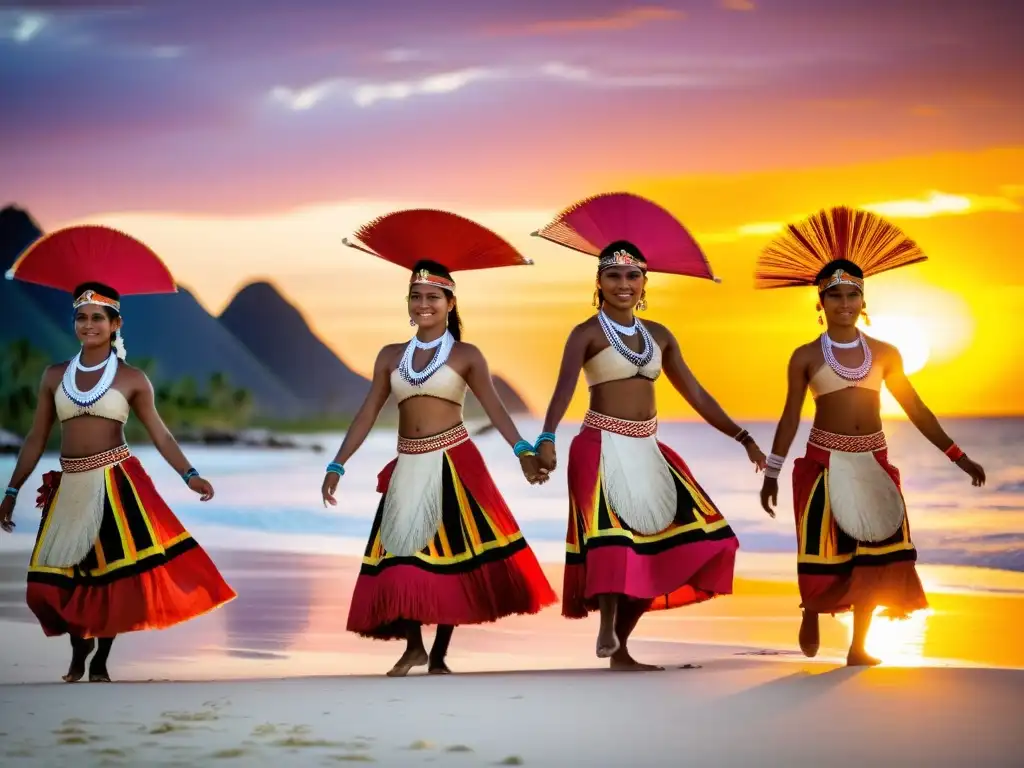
(269, 499)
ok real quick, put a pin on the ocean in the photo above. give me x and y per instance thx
(270, 499)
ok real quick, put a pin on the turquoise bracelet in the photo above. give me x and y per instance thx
(522, 448)
(11, 491)
(336, 468)
(189, 474)
(545, 437)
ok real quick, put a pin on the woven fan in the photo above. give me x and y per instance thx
(866, 239)
(405, 237)
(591, 224)
(69, 257)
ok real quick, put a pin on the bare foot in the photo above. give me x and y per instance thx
(438, 668)
(809, 636)
(98, 672)
(80, 652)
(607, 643)
(621, 661)
(414, 657)
(860, 658)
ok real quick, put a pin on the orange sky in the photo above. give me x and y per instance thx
(959, 310)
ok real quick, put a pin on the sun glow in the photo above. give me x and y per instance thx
(898, 642)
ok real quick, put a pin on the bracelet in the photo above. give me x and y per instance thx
(545, 437)
(11, 491)
(773, 465)
(522, 448)
(336, 468)
(954, 453)
(189, 474)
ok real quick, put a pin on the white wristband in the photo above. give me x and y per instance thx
(772, 472)
(773, 465)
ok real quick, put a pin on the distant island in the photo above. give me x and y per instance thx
(257, 365)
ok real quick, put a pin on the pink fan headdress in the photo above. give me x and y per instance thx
(591, 225)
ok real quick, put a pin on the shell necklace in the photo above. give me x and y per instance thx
(850, 374)
(88, 396)
(612, 331)
(410, 374)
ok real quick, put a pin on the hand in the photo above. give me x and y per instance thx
(330, 485)
(533, 471)
(202, 487)
(755, 455)
(973, 469)
(769, 495)
(6, 514)
(546, 456)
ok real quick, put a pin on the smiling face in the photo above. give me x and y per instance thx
(622, 286)
(94, 326)
(842, 305)
(429, 306)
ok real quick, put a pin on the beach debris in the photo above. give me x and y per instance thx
(190, 717)
(297, 742)
(353, 758)
(691, 666)
(512, 760)
(420, 744)
(227, 754)
(459, 748)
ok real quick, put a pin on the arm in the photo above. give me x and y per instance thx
(921, 416)
(380, 390)
(143, 403)
(479, 379)
(42, 423)
(573, 357)
(785, 432)
(686, 384)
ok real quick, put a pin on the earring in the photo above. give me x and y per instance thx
(864, 314)
(597, 292)
(818, 307)
(641, 305)
(412, 322)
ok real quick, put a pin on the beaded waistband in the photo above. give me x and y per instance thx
(440, 442)
(621, 426)
(96, 461)
(830, 441)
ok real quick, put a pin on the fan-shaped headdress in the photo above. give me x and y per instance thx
(621, 228)
(410, 236)
(833, 236)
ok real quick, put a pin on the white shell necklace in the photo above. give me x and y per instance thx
(89, 396)
(850, 374)
(414, 377)
(612, 331)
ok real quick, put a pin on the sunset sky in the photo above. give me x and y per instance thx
(244, 140)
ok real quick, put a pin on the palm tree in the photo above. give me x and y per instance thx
(21, 368)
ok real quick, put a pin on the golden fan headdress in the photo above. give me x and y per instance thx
(860, 237)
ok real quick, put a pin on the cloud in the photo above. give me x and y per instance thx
(737, 5)
(560, 71)
(22, 27)
(926, 207)
(619, 21)
(941, 204)
(368, 94)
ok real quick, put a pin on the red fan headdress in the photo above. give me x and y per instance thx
(69, 257)
(407, 237)
(839, 234)
(620, 218)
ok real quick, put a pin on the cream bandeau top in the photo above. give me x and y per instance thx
(445, 384)
(825, 381)
(112, 405)
(609, 365)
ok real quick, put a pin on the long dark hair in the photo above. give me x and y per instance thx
(434, 268)
(102, 290)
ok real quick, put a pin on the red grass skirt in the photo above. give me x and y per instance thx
(691, 561)
(144, 571)
(835, 572)
(477, 568)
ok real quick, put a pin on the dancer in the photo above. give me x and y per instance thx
(854, 544)
(444, 548)
(110, 557)
(642, 534)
